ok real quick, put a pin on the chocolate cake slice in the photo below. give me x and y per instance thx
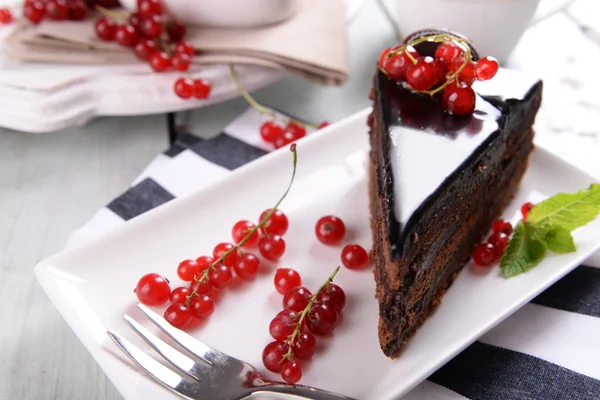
(437, 182)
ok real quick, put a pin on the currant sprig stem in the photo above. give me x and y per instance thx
(298, 330)
(109, 13)
(259, 107)
(239, 245)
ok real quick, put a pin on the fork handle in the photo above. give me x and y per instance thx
(303, 391)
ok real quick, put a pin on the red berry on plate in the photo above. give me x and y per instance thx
(322, 318)
(277, 224)
(285, 279)
(57, 10)
(296, 299)
(397, 65)
(202, 306)
(486, 68)
(499, 241)
(330, 230)
(77, 10)
(184, 48)
(425, 74)
(6, 16)
(240, 231)
(178, 315)
(246, 266)
(201, 287)
(135, 20)
(220, 276)
(105, 29)
(484, 254)
(187, 270)
(181, 62)
(152, 290)
(447, 52)
(202, 89)
(271, 247)
(525, 209)
(152, 27)
(144, 48)
(323, 124)
(296, 131)
(334, 295)
(354, 257)
(204, 262)
(270, 131)
(291, 372)
(179, 295)
(286, 139)
(304, 346)
(223, 248)
(184, 88)
(383, 57)
(160, 61)
(283, 325)
(273, 354)
(148, 8)
(502, 226)
(176, 31)
(34, 11)
(467, 74)
(458, 99)
(126, 35)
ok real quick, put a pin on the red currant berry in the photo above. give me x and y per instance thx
(184, 48)
(271, 247)
(179, 295)
(296, 298)
(135, 20)
(240, 231)
(499, 241)
(330, 230)
(304, 346)
(502, 226)
(467, 74)
(383, 57)
(148, 8)
(525, 209)
(458, 99)
(201, 287)
(152, 26)
(291, 372)
(204, 262)
(34, 11)
(283, 325)
(334, 295)
(286, 139)
(160, 61)
(285, 279)
(202, 306)
(273, 354)
(486, 68)
(223, 248)
(323, 124)
(295, 130)
(425, 74)
(57, 10)
(187, 270)
(178, 315)
(220, 276)
(144, 48)
(202, 89)
(270, 131)
(181, 62)
(126, 35)
(322, 318)
(184, 88)
(397, 65)
(484, 254)
(176, 31)
(277, 224)
(105, 29)
(77, 10)
(246, 266)
(152, 290)
(354, 257)
(448, 52)
(6, 16)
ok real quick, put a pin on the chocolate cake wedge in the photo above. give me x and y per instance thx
(437, 182)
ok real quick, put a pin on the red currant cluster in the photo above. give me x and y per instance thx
(279, 135)
(156, 39)
(304, 315)
(6, 16)
(490, 252)
(451, 71)
(58, 10)
(330, 230)
(210, 273)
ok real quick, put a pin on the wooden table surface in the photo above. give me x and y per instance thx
(51, 184)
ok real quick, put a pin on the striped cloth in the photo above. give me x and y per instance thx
(549, 349)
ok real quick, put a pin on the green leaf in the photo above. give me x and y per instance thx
(567, 210)
(555, 238)
(522, 252)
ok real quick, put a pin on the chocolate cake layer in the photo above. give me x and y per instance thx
(437, 182)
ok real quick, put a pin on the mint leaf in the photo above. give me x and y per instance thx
(567, 210)
(522, 253)
(555, 238)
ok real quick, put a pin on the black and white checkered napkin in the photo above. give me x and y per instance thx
(549, 349)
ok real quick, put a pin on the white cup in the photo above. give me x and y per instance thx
(493, 26)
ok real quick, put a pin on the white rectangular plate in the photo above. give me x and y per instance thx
(92, 285)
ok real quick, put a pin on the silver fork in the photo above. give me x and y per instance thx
(209, 373)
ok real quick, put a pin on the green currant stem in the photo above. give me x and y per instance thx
(238, 246)
(410, 56)
(290, 341)
(259, 107)
(110, 13)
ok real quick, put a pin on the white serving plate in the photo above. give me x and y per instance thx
(92, 285)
